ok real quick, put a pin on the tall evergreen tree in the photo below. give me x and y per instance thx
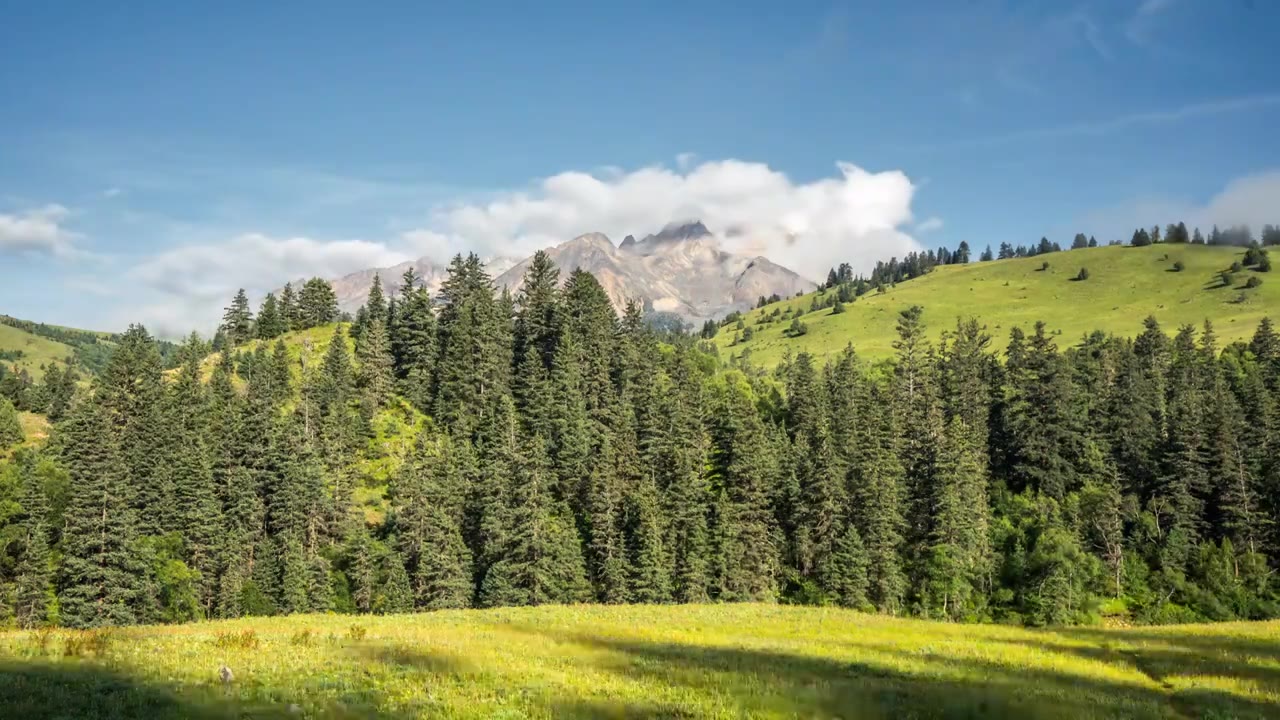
(237, 319)
(101, 582)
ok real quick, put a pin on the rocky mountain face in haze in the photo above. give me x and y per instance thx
(680, 270)
(353, 289)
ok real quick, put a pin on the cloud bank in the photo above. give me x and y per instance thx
(853, 216)
(856, 216)
(38, 231)
(1252, 200)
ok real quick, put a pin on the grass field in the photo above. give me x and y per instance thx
(36, 351)
(1125, 285)
(641, 662)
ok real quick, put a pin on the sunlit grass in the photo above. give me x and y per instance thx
(37, 351)
(1125, 285)
(681, 662)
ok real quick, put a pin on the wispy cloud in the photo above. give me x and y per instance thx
(1138, 29)
(929, 225)
(1118, 123)
(39, 231)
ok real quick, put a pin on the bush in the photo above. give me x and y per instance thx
(303, 638)
(837, 308)
(1236, 267)
(1082, 275)
(1044, 266)
(796, 329)
(357, 632)
(243, 640)
(1178, 266)
(1264, 263)
(1252, 282)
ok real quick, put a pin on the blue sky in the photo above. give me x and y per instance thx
(154, 155)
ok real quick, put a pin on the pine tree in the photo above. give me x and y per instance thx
(413, 342)
(288, 310)
(237, 320)
(956, 555)
(376, 304)
(394, 594)
(539, 559)
(270, 324)
(427, 497)
(362, 570)
(101, 576)
(317, 304)
(877, 489)
(747, 535)
(10, 428)
(376, 376)
(33, 579)
(607, 557)
(132, 391)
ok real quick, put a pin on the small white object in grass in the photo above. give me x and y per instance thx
(225, 674)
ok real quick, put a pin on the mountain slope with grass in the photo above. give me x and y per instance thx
(26, 351)
(686, 661)
(1124, 285)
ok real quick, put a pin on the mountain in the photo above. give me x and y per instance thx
(353, 289)
(1125, 285)
(681, 270)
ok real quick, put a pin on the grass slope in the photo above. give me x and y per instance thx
(394, 428)
(36, 351)
(1125, 285)
(728, 661)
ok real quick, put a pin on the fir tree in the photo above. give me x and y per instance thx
(270, 322)
(237, 320)
(288, 309)
(413, 341)
(376, 376)
(10, 428)
(101, 576)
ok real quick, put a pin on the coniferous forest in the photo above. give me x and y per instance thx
(569, 455)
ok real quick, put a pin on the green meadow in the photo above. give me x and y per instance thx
(1125, 285)
(710, 661)
(32, 351)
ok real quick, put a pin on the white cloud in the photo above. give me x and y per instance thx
(930, 225)
(852, 216)
(856, 216)
(189, 285)
(1252, 200)
(39, 231)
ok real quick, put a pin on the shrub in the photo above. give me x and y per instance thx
(244, 640)
(796, 329)
(1236, 267)
(1044, 266)
(357, 632)
(837, 308)
(1178, 266)
(1252, 282)
(1264, 263)
(1082, 275)
(303, 637)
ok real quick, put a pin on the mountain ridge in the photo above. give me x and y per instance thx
(682, 269)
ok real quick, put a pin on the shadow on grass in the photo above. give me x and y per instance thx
(749, 682)
(85, 691)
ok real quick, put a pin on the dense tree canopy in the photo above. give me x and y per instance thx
(552, 451)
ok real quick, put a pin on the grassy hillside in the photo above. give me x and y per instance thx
(30, 352)
(728, 661)
(395, 428)
(1125, 285)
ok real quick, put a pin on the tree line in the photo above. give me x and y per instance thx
(567, 455)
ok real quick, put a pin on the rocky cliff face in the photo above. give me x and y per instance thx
(680, 270)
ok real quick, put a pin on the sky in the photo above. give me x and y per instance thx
(155, 156)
